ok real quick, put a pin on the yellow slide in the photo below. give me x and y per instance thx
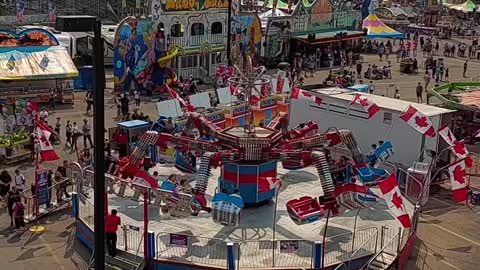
(173, 78)
(169, 56)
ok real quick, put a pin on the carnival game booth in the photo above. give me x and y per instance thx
(134, 130)
(465, 98)
(377, 29)
(323, 43)
(265, 110)
(336, 110)
(33, 64)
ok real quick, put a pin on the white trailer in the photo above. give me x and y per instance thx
(336, 111)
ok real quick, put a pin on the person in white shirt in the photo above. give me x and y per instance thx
(371, 88)
(137, 98)
(19, 181)
(44, 116)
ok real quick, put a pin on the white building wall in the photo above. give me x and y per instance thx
(407, 142)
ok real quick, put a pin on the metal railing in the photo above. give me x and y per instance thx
(129, 237)
(338, 248)
(55, 194)
(391, 247)
(265, 253)
(365, 248)
(194, 249)
(86, 211)
(278, 253)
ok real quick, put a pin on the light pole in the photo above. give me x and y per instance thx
(87, 24)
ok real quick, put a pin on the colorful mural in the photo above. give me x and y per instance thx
(140, 56)
(326, 14)
(277, 40)
(186, 5)
(27, 38)
(245, 39)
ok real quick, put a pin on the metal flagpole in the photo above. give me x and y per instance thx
(323, 240)
(36, 228)
(99, 154)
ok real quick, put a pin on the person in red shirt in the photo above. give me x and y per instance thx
(121, 139)
(112, 222)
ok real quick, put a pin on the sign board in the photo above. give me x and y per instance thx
(42, 182)
(179, 240)
(289, 246)
(225, 96)
(169, 108)
(200, 100)
(191, 5)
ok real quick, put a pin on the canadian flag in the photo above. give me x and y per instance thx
(234, 89)
(368, 105)
(254, 99)
(458, 147)
(268, 183)
(393, 198)
(418, 121)
(458, 180)
(46, 149)
(175, 95)
(298, 93)
(280, 82)
(219, 70)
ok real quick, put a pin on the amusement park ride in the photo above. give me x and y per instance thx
(248, 157)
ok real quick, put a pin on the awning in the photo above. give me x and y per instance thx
(466, 7)
(36, 63)
(326, 37)
(377, 29)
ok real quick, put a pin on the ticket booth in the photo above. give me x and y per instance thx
(134, 130)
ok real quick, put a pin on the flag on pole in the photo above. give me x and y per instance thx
(175, 95)
(46, 149)
(234, 89)
(418, 121)
(254, 100)
(458, 147)
(280, 82)
(298, 93)
(458, 180)
(369, 106)
(393, 198)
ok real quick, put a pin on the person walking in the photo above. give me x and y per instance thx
(371, 88)
(75, 134)
(419, 92)
(465, 66)
(5, 182)
(12, 196)
(446, 75)
(19, 215)
(427, 79)
(19, 181)
(68, 134)
(137, 98)
(359, 69)
(51, 99)
(112, 222)
(86, 133)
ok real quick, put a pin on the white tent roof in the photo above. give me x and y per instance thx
(270, 13)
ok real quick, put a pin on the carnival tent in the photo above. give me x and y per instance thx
(270, 13)
(466, 7)
(377, 29)
(36, 63)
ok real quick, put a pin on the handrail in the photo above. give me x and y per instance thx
(136, 255)
(341, 266)
(366, 242)
(380, 251)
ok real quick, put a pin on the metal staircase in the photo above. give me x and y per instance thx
(386, 256)
(381, 262)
